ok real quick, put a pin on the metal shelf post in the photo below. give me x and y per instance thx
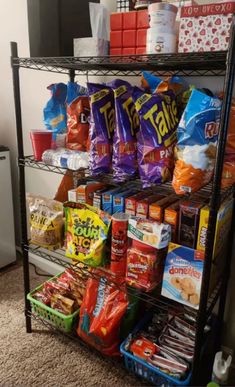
(24, 239)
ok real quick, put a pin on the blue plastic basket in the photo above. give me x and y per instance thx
(147, 371)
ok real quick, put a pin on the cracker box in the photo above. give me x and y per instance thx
(149, 232)
(182, 277)
(97, 197)
(205, 27)
(142, 206)
(84, 192)
(223, 224)
(119, 200)
(188, 223)
(156, 210)
(171, 216)
(130, 202)
(107, 199)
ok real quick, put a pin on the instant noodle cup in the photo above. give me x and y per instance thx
(197, 136)
(41, 141)
(86, 232)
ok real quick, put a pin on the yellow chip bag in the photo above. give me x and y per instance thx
(86, 232)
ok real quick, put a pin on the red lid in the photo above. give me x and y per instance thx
(143, 247)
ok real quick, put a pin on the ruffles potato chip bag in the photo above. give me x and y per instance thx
(197, 136)
(157, 135)
(126, 126)
(86, 232)
(101, 128)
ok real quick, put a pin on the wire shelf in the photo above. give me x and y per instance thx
(186, 64)
(153, 300)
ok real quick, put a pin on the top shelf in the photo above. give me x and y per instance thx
(186, 64)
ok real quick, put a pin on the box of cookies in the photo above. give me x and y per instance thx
(182, 277)
(149, 232)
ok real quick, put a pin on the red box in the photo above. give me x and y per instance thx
(115, 39)
(140, 50)
(141, 38)
(142, 19)
(115, 51)
(129, 38)
(128, 51)
(116, 21)
(129, 20)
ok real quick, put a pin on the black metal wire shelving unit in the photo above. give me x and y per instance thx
(190, 64)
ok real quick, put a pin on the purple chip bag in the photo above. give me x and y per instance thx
(126, 126)
(101, 127)
(157, 135)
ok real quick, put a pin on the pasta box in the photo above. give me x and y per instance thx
(206, 27)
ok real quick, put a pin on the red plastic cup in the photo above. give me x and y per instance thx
(41, 141)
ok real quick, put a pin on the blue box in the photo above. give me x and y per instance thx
(119, 200)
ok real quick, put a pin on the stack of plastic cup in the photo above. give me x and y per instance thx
(41, 141)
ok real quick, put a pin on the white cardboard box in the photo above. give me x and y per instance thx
(90, 47)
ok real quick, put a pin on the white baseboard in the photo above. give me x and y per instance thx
(46, 266)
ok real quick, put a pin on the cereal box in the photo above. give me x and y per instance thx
(171, 216)
(188, 223)
(119, 200)
(107, 199)
(182, 277)
(223, 223)
(131, 202)
(156, 210)
(142, 206)
(149, 232)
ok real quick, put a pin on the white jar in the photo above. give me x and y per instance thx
(162, 15)
(160, 41)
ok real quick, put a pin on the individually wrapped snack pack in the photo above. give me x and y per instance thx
(78, 111)
(86, 233)
(101, 312)
(197, 136)
(54, 112)
(157, 135)
(46, 222)
(124, 138)
(101, 127)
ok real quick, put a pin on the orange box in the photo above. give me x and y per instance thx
(128, 51)
(116, 51)
(171, 216)
(142, 206)
(141, 39)
(129, 20)
(156, 210)
(142, 19)
(129, 38)
(115, 39)
(84, 193)
(140, 50)
(116, 21)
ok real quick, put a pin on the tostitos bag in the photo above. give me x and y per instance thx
(101, 313)
(197, 136)
(157, 135)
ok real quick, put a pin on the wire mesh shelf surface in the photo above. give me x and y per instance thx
(152, 299)
(189, 64)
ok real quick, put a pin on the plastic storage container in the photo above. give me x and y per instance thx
(59, 320)
(147, 371)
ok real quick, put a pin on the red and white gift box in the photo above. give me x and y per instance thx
(205, 27)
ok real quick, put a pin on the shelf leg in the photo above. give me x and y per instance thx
(24, 238)
(71, 75)
(214, 206)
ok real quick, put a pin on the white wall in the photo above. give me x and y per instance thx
(14, 27)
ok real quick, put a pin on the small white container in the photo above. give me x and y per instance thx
(161, 41)
(162, 15)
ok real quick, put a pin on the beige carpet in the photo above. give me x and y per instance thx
(42, 358)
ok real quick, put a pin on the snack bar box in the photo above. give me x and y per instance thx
(205, 27)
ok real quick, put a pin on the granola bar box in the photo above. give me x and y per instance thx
(182, 277)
